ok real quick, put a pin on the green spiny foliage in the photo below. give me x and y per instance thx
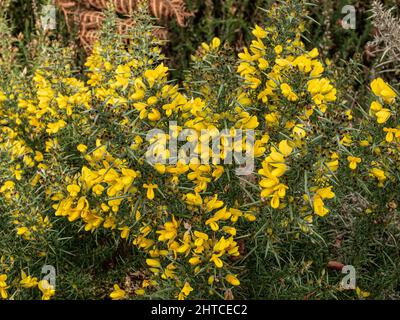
(283, 254)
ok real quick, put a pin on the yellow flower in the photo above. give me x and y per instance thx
(194, 261)
(379, 174)
(353, 162)
(246, 56)
(154, 115)
(346, 140)
(170, 230)
(349, 115)
(82, 148)
(56, 126)
(217, 261)
(232, 280)
(250, 123)
(275, 201)
(319, 207)
(391, 133)
(235, 214)
(109, 223)
(123, 74)
(278, 49)
(230, 230)
(73, 190)
(215, 43)
(154, 263)
(212, 222)
(38, 156)
(124, 232)
(375, 107)
(153, 75)
(322, 91)
(318, 203)
(28, 161)
(140, 292)
(259, 32)
(186, 290)
(27, 281)
(214, 203)
(333, 165)
(272, 118)
(150, 190)
(152, 100)
(8, 185)
(299, 131)
(194, 199)
(205, 46)
(24, 231)
(118, 293)
(98, 189)
(313, 53)
(288, 93)
(3, 97)
(284, 148)
(381, 89)
(326, 193)
(47, 290)
(383, 115)
(262, 64)
(3, 286)
(362, 294)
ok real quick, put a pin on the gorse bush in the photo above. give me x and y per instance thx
(77, 191)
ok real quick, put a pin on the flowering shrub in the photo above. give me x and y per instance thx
(74, 152)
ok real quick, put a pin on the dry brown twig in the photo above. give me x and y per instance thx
(87, 15)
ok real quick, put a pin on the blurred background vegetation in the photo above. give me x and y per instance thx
(231, 20)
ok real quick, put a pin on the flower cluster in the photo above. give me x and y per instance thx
(74, 152)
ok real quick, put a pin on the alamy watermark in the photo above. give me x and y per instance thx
(48, 17)
(209, 146)
(350, 19)
(349, 281)
(49, 279)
